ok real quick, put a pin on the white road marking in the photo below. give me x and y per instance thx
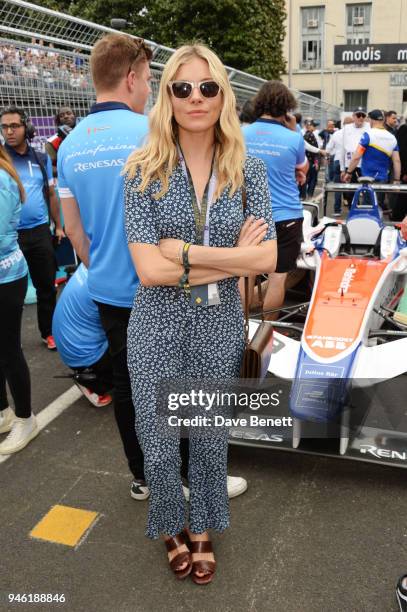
(53, 410)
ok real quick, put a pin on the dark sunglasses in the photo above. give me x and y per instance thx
(183, 89)
(139, 47)
(359, 115)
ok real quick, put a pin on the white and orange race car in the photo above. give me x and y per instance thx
(341, 372)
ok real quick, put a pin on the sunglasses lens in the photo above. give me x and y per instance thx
(181, 89)
(359, 115)
(209, 89)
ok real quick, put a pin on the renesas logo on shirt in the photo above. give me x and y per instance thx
(89, 157)
(101, 163)
(94, 130)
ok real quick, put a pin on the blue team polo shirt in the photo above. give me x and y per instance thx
(35, 210)
(282, 150)
(90, 162)
(12, 263)
(379, 145)
(76, 326)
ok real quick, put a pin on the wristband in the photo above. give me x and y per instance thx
(185, 260)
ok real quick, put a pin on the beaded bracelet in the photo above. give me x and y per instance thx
(183, 284)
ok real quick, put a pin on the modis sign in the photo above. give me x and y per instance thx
(371, 54)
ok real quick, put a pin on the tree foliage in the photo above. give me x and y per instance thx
(246, 34)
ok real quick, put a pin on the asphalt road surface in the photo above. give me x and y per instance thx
(311, 534)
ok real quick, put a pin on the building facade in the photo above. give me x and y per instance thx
(315, 27)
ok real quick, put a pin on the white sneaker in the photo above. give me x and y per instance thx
(22, 432)
(6, 419)
(139, 490)
(236, 486)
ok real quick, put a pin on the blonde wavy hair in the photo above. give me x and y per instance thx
(158, 158)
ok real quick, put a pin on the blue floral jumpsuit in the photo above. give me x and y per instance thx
(169, 339)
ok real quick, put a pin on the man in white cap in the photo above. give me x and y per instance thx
(376, 151)
(351, 136)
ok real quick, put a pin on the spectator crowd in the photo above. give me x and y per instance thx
(42, 66)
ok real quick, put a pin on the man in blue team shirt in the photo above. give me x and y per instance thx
(377, 149)
(81, 340)
(90, 161)
(274, 139)
(34, 236)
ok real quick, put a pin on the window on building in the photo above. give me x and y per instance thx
(312, 28)
(354, 98)
(315, 93)
(358, 17)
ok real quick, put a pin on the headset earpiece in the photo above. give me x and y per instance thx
(30, 130)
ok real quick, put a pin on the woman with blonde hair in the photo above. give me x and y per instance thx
(187, 234)
(13, 286)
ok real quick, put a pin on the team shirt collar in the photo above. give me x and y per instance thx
(264, 120)
(12, 152)
(100, 107)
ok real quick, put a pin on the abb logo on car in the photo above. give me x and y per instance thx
(345, 287)
(329, 342)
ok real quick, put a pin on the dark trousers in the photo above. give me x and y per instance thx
(337, 179)
(114, 321)
(380, 196)
(330, 169)
(390, 198)
(348, 195)
(312, 177)
(13, 365)
(36, 244)
(399, 206)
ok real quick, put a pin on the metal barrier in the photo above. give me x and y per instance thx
(379, 187)
(316, 109)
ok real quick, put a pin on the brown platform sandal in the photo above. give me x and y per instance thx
(173, 543)
(202, 546)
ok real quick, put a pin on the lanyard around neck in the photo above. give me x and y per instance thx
(200, 208)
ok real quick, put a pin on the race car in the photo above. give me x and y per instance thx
(339, 360)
